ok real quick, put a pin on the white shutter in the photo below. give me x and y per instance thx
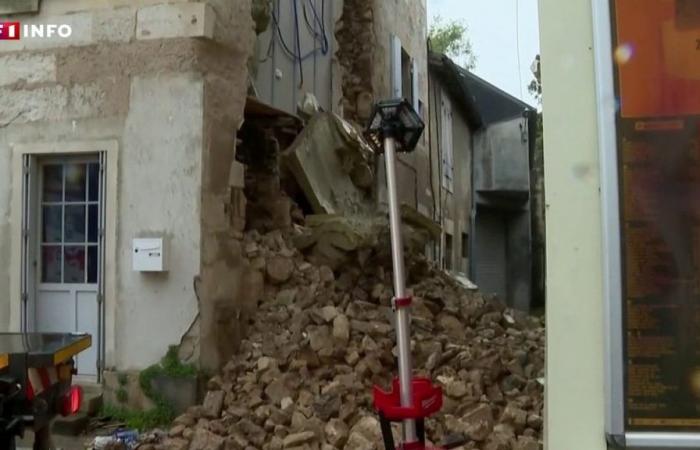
(490, 256)
(396, 79)
(26, 253)
(450, 154)
(447, 144)
(102, 250)
(415, 88)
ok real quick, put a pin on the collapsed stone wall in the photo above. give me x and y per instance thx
(356, 46)
(223, 272)
(321, 338)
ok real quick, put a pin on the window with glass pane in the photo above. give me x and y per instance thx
(69, 222)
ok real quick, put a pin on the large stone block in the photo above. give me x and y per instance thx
(114, 25)
(47, 103)
(51, 103)
(28, 68)
(175, 20)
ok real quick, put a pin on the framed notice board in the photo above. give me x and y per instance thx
(647, 55)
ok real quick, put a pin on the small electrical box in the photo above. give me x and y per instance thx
(148, 255)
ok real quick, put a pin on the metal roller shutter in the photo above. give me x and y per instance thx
(490, 253)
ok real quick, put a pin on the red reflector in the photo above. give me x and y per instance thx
(72, 401)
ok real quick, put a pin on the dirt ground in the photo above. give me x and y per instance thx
(61, 442)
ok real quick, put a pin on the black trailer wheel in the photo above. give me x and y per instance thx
(7, 442)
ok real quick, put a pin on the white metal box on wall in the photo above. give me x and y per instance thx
(149, 255)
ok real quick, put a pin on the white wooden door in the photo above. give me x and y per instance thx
(68, 251)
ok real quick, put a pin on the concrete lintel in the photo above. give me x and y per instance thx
(175, 20)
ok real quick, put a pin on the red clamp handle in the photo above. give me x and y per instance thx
(417, 446)
(427, 400)
(401, 302)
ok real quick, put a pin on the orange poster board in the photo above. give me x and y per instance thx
(657, 66)
(658, 57)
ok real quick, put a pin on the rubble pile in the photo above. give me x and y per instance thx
(323, 337)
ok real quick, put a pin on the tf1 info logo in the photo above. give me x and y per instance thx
(15, 31)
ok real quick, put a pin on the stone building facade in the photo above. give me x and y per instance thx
(126, 130)
(123, 130)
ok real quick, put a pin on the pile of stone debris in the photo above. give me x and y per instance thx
(322, 337)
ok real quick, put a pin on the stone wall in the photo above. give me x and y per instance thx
(364, 50)
(226, 288)
(537, 201)
(357, 46)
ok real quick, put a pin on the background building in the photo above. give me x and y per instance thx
(487, 137)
